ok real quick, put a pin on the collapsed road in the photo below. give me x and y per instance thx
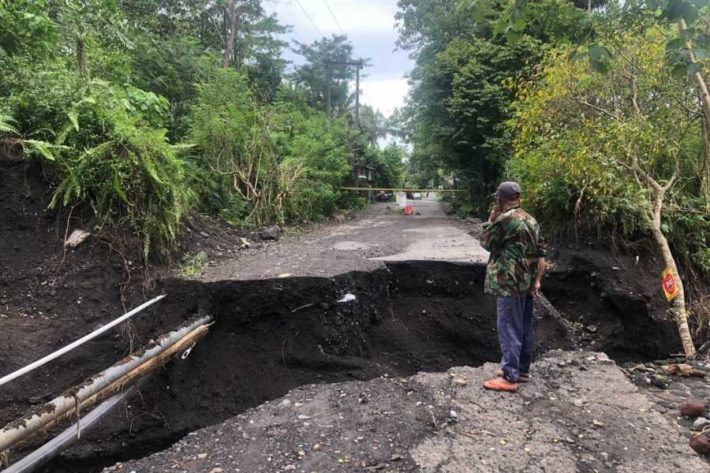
(383, 295)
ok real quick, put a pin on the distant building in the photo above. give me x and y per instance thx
(363, 176)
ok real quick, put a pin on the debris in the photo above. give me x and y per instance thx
(270, 233)
(683, 369)
(201, 456)
(76, 238)
(284, 275)
(347, 298)
(245, 243)
(700, 424)
(598, 424)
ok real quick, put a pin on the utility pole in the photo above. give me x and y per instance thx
(329, 78)
(358, 65)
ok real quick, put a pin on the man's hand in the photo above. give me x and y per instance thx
(494, 215)
(535, 288)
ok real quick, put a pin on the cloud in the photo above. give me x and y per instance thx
(384, 94)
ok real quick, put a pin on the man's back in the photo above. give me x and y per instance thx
(515, 245)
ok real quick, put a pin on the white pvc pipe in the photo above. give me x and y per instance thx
(50, 449)
(40, 417)
(81, 341)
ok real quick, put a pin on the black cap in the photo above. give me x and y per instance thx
(508, 190)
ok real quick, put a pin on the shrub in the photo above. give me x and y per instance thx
(116, 163)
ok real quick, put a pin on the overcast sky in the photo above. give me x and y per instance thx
(369, 24)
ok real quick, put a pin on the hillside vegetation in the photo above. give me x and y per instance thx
(142, 111)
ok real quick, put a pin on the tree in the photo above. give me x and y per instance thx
(327, 73)
(464, 85)
(610, 148)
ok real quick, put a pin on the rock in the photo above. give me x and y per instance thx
(270, 233)
(201, 456)
(285, 403)
(289, 467)
(459, 381)
(692, 408)
(76, 238)
(700, 423)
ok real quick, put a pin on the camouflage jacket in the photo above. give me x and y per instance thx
(515, 245)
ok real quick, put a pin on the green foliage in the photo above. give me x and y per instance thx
(39, 96)
(25, 27)
(281, 162)
(313, 75)
(193, 265)
(115, 163)
(99, 89)
(584, 141)
(6, 124)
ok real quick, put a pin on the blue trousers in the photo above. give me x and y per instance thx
(515, 334)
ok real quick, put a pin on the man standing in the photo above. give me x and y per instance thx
(513, 275)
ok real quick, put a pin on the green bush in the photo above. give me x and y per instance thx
(115, 162)
(264, 164)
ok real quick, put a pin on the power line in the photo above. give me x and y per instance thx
(298, 2)
(333, 16)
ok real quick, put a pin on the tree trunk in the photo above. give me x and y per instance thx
(678, 309)
(705, 102)
(81, 57)
(231, 33)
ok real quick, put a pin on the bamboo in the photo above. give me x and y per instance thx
(50, 449)
(103, 382)
(77, 343)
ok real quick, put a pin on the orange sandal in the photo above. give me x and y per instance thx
(500, 384)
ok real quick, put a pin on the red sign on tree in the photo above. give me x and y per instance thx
(670, 288)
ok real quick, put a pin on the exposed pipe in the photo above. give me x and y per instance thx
(32, 366)
(108, 381)
(50, 449)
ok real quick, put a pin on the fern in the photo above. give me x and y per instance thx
(6, 126)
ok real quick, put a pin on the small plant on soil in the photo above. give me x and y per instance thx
(192, 266)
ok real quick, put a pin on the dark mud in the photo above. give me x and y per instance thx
(615, 300)
(271, 336)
